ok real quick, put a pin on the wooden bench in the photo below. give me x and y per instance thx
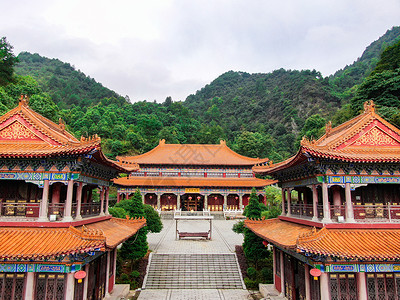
(194, 234)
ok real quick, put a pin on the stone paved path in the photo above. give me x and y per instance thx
(223, 241)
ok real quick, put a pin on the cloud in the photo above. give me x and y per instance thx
(154, 49)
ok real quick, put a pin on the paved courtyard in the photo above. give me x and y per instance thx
(223, 241)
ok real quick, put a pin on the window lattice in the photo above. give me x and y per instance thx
(19, 286)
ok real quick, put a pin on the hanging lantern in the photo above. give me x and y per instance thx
(169, 197)
(236, 197)
(215, 197)
(198, 197)
(190, 197)
(315, 273)
(150, 197)
(265, 243)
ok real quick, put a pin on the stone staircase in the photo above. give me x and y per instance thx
(193, 271)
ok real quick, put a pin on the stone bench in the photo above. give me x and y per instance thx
(194, 234)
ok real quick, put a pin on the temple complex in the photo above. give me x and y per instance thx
(57, 239)
(339, 233)
(191, 177)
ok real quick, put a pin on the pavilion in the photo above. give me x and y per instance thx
(339, 233)
(57, 239)
(192, 177)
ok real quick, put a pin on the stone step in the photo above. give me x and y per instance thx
(193, 271)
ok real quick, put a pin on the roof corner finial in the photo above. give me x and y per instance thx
(369, 106)
(222, 142)
(24, 100)
(328, 128)
(162, 142)
(61, 124)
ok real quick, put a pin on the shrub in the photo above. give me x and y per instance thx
(251, 284)
(252, 272)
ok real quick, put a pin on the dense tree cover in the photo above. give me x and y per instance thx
(352, 75)
(65, 85)
(7, 62)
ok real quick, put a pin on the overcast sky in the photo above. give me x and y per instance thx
(153, 49)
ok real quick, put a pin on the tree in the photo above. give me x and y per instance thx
(153, 220)
(7, 62)
(274, 200)
(136, 246)
(253, 247)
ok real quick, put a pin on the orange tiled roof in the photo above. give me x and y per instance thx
(354, 244)
(116, 230)
(25, 133)
(278, 232)
(192, 181)
(365, 138)
(364, 244)
(42, 243)
(191, 154)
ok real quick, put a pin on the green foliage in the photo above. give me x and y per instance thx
(253, 247)
(253, 210)
(7, 62)
(153, 219)
(252, 272)
(274, 200)
(390, 59)
(238, 227)
(118, 212)
(251, 284)
(133, 206)
(383, 88)
(135, 247)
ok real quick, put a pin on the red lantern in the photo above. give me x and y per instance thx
(169, 197)
(215, 197)
(236, 197)
(198, 197)
(265, 243)
(80, 275)
(190, 198)
(151, 197)
(315, 272)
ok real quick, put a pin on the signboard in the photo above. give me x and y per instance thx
(192, 190)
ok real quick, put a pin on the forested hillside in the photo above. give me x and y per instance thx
(260, 115)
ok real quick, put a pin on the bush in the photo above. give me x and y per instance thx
(153, 219)
(266, 275)
(238, 227)
(252, 273)
(251, 284)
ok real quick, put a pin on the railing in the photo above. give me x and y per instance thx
(377, 213)
(90, 209)
(338, 213)
(302, 210)
(367, 213)
(30, 210)
(56, 209)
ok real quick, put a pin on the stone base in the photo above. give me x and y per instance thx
(120, 291)
(269, 291)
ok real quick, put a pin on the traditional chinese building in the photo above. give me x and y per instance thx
(192, 177)
(57, 239)
(344, 223)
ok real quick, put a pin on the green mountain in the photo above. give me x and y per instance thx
(62, 82)
(351, 75)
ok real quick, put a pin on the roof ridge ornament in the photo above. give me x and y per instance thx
(61, 124)
(369, 107)
(328, 128)
(23, 100)
(162, 142)
(222, 142)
